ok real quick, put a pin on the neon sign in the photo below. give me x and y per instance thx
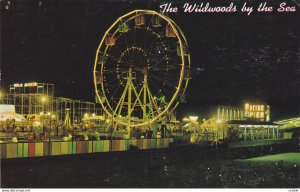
(18, 85)
(31, 84)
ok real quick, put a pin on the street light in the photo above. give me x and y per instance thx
(52, 117)
(193, 118)
(50, 129)
(43, 99)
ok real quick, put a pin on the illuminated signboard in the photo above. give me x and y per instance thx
(31, 84)
(18, 85)
(257, 111)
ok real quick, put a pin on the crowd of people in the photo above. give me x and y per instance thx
(12, 131)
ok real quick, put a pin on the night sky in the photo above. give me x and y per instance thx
(234, 57)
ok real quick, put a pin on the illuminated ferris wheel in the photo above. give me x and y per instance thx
(141, 69)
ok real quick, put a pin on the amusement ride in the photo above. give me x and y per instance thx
(141, 70)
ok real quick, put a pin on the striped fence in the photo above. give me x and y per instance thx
(23, 150)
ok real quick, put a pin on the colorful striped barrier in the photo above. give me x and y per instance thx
(153, 143)
(3, 151)
(55, 148)
(101, 146)
(90, 144)
(20, 150)
(166, 143)
(116, 145)
(47, 148)
(120, 145)
(12, 150)
(31, 149)
(84, 147)
(81, 147)
(146, 144)
(124, 145)
(132, 143)
(74, 146)
(23, 150)
(66, 148)
(160, 143)
(63, 148)
(39, 149)
(139, 143)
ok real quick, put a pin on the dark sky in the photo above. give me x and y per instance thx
(254, 58)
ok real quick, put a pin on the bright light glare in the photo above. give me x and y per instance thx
(193, 118)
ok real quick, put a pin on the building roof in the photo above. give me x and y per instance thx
(250, 122)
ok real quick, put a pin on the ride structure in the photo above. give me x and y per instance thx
(141, 70)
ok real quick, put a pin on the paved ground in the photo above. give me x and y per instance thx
(183, 168)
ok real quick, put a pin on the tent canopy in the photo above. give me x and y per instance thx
(11, 115)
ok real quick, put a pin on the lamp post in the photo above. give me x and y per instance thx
(86, 120)
(51, 118)
(93, 120)
(43, 99)
(49, 129)
(42, 121)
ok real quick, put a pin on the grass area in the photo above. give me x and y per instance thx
(286, 157)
